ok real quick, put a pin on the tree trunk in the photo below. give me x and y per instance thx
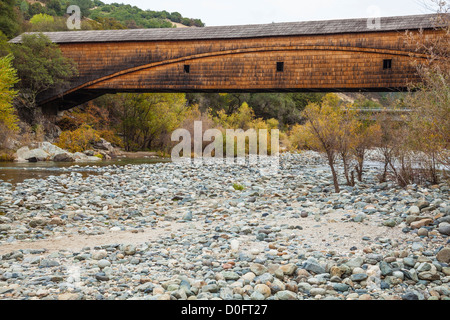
(333, 172)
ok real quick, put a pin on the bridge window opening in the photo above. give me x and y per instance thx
(280, 66)
(187, 68)
(387, 64)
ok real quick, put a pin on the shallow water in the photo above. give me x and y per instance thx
(14, 172)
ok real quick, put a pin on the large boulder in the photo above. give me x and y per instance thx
(51, 149)
(63, 157)
(81, 157)
(78, 156)
(36, 155)
(102, 144)
(22, 153)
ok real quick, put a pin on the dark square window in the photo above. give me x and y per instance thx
(187, 68)
(280, 66)
(387, 64)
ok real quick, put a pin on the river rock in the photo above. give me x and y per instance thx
(444, 255)
(258, 269)
(414, 210)
(286, 295)
(288, 269)
(421, 223)
(99, 254)
(263, 289)
(444, 228)
(63, 157)
(313, 267)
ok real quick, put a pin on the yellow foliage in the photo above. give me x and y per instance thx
(111, 137)
(8, 77)
(298, 137)
(78, 140)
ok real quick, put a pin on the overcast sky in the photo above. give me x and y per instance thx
(236, 12)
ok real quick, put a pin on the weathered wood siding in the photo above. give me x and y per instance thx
(336, 55)
(325, 62)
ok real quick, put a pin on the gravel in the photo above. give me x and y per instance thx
(176, 231)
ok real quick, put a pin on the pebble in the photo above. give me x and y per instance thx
(216, 243)
(263, 289)
(444, 255)
(444, 228)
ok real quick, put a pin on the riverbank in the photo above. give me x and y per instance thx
(173, 231)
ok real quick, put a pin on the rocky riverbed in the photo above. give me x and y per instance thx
(172, 231)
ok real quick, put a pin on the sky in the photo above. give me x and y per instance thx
(238, 12)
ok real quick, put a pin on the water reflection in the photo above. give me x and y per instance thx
(14, 172)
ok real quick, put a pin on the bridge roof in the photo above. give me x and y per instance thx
(401, 23)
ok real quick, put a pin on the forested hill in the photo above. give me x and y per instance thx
(51, 15)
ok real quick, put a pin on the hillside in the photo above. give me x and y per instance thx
(99, 15)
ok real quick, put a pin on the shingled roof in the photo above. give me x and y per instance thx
(245, 31)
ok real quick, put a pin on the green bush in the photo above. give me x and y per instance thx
(238, 187)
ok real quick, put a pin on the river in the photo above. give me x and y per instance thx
(15, 172)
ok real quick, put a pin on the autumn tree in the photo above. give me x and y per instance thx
(367, 135)
(322, 129)
(8, 119)
(346, 116)
(430, 102)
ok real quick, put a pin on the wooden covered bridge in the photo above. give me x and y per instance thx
(331, 56)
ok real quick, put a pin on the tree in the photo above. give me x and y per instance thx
(348, 123)
(8, 119)
(280, 106)
(430, 104)
(176, 17)
(5, 48)
(41, 18)
(40, 66)
(9, 24)
(323, 130)
(84, 5)
(367, 135)
(145, 120)
(56, 6)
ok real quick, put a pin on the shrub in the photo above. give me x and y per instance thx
(6, 156)
(238, 187)
(78, 140)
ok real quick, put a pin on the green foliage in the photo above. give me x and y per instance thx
(101, 16)
(8, 118)
(134, 17)
(101, 23)
(8, 78)
(145, 120)
(9, 24)
(238, 187)
(55, 7)
(364, 103)
(40, 66)
(5, 48)
(24, 6)
(285, 107)
(85, 6)
(41, 18)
